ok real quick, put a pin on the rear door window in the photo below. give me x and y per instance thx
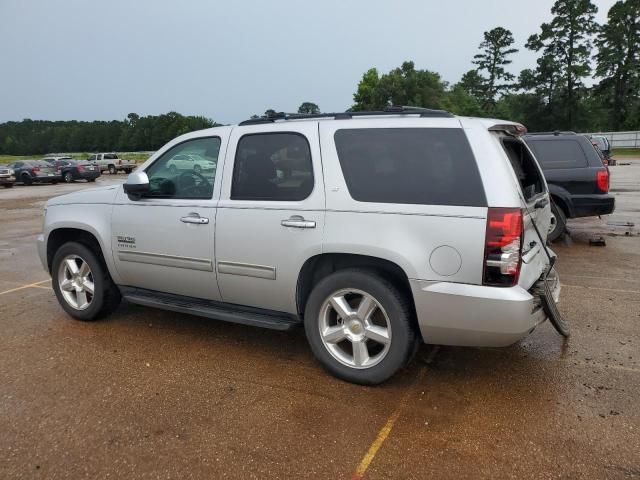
(558, 153)
(427, 166)
(272, 167)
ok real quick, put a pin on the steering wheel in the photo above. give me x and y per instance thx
(194, 187)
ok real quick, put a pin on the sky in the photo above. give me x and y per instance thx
(226, 60)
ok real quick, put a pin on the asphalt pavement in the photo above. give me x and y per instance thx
(159, 395)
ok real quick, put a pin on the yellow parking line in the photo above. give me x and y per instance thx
(31, 285)
(44, 287)
(384, 432)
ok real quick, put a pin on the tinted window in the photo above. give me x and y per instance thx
(430, 166)
(110, 156)
(272, 166)
(558, 153)
(169, 178)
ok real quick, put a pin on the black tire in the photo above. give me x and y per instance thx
(106, 296)
(112, 169)
(398, 308)
(197, 168)
(26, 179)
(551, 309)
(173, 169)
(560, 223)
(92, 180)
(128, 171)
(8, 185)
(68, 177)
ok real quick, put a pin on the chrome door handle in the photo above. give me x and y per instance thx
(296, 221)
(194, 218)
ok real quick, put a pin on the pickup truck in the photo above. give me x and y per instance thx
(111, 162)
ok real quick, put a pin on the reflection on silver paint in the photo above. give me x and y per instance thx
(247, 270)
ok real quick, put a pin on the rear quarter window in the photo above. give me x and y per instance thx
(558, 153)
(429, 166)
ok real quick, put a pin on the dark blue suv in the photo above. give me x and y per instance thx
(577, 177)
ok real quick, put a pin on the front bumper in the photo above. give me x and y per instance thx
(46, 178)
(42, 251)
(475, 315)
(7, 180)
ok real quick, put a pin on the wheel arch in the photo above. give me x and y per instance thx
(561, 198)
(59, 236)
(320, 266)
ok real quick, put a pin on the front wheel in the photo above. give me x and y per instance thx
(112, 169)
(359, 326)
(82, 284)
(68, 177)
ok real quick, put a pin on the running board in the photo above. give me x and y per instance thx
(207, 308)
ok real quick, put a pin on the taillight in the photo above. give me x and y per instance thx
(602, 180)
(503, 247)
(35, 169)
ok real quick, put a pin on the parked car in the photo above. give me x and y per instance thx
(604, 146)
(55, 158)
(112, 163)
(7, 176)
(578, 180)
(185, 161)
(375, 230)
(35, 171)
(76, 170)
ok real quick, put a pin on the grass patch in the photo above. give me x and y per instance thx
(137, 157)
(626, 152)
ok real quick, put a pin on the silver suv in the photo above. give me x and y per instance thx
(376, 230)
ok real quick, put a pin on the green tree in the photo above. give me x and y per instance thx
(368, 95)
(565, 44)
(618, 61)
(473, 84)
(308, 107)
(491, 61)
(459, 101)
(401, 86)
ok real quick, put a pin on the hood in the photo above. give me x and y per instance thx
(92, 195)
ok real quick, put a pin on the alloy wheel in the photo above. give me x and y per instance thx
(75, 280)
(354, 328)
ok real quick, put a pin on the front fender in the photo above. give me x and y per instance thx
(90, 218)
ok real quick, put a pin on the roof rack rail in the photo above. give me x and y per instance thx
(391, 110)
(555, 133)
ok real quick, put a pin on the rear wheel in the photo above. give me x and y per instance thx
(359, 326)
(82, 284)
(558, 223)
(26, 179)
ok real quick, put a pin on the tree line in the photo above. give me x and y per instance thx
(135, 133)
(553, 94)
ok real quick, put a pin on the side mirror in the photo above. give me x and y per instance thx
(137, 185)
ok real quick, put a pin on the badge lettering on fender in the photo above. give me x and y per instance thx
(126, 242)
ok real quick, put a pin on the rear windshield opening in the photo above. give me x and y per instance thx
(524, 166)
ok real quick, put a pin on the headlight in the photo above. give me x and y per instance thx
(12, 171)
